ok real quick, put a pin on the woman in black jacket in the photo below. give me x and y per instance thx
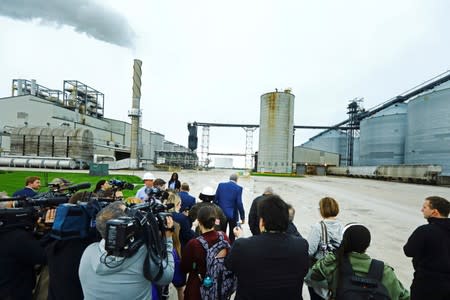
(174, 183)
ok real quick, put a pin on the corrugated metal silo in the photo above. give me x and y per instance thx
(382, 137)
(332, 141)
(276, 129)
(428, 138)
(356, 150)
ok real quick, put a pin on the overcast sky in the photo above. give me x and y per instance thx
(210, 61)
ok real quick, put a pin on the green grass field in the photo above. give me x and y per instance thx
(11, 181)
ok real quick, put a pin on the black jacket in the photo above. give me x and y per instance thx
(429, 246)
(63, 262)
(269, 266)
(19, 253)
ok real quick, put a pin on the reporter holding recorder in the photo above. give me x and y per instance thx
(112, 277)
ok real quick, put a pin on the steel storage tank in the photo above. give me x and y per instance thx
(428, 138)
(382, 137)
(334, 141)
(356, 147)
(276, 129)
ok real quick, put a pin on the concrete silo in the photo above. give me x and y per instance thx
(428, 137)
(276, 129)
(382, 137)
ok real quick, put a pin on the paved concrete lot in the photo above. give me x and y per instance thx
(390, 210)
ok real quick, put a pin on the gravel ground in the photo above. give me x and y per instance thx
(390, 210)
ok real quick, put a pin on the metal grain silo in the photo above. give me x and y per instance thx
(382, 137)
(276, 129)
(334, 141)
(428, 138)
(356, 155)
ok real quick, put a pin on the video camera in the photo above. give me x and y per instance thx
(121, 185)
(36, 213)
(155, 193)
(144, 224)
(24, 217)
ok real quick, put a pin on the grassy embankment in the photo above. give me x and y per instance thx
(11, 181)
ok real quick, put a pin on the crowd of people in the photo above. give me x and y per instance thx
(273, 263)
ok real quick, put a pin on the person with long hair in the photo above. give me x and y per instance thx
(174, 183)
(186, 233)
(324, 235)
(193, 261)
(101, 188)
(355, 241)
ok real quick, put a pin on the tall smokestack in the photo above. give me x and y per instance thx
(135, 114)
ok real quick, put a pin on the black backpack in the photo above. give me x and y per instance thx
(354, 287)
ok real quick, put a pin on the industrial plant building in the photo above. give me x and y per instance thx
(43, 127)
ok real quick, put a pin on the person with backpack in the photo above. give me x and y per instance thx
(203, 260)
(352, 274)
(324, 237)
(270, 265)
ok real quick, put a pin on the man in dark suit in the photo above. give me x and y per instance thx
(229, 199)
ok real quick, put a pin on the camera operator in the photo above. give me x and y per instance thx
(111, 277)
(101, 188)
(20, 252)
(157, 193)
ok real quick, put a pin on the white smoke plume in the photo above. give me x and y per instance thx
(86, 16)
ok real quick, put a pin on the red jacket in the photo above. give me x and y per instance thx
(193, 263)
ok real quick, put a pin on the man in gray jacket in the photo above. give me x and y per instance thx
(110, 277)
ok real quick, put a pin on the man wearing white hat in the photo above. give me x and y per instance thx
(148, 179)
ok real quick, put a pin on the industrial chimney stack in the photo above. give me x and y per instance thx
(135, 115)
